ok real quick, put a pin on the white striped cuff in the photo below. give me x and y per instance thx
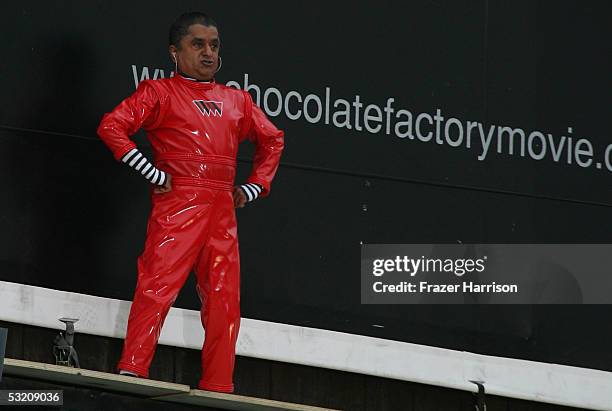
(135, 159)
(251, 190)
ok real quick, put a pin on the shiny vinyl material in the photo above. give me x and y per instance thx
(189, 227)
(194, 129)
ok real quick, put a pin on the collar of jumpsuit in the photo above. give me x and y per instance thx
(196, 84)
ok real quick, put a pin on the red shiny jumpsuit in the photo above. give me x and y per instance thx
(194, 129)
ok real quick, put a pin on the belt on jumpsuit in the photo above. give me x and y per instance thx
(204, 158)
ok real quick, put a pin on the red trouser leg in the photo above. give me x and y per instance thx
(176, 231)
(218, 284)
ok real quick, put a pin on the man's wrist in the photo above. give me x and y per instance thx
(135, 159)
(251, 190)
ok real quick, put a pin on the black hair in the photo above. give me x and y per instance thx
(180, 27)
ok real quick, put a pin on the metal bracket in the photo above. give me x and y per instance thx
(480, 404)
(63, 349)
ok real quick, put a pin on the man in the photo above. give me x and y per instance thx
(194, 126)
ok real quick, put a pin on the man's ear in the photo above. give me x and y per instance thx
(172, 51)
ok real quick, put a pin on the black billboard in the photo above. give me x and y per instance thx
(420, 122)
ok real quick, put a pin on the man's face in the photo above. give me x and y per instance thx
(198, 55)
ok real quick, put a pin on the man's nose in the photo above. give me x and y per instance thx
(207, 50)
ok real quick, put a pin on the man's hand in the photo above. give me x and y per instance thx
(166, 187)
(240, 198)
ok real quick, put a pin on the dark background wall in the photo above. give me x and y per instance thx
(75, 220)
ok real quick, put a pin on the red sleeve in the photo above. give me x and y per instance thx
(141, 109)
(269, 144)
